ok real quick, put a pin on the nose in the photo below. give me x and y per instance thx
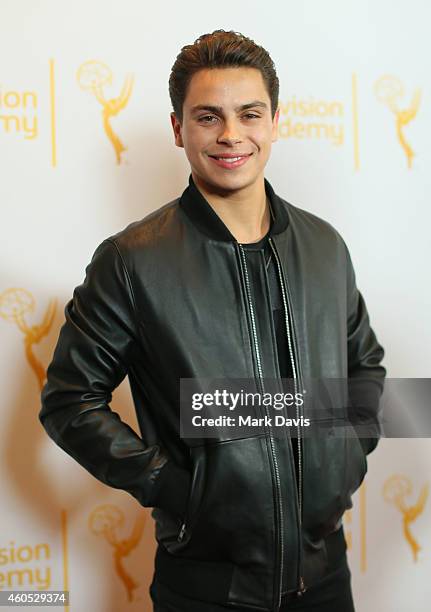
(230, 134)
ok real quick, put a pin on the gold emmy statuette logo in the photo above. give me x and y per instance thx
(389, 90)
(395, 489)
(105, 520)
(93, 76)
(14, 304)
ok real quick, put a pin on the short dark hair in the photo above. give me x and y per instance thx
(220, 49)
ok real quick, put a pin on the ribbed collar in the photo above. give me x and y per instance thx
(204, 217)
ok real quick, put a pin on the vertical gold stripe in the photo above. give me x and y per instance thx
(52, 100)
(355, 122)
(65, 554)
(363, 525)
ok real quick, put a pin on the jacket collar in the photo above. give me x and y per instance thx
(203, 216)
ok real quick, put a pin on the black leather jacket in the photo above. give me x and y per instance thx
(168, 298)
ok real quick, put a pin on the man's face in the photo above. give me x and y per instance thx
(227, 112)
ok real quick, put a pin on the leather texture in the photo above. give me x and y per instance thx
(164, 299)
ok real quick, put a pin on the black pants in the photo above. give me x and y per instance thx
(332, 594)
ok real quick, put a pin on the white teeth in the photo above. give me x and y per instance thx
(229, 159)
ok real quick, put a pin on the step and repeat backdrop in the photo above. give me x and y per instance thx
(86, 147)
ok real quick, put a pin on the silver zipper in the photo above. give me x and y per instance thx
(302, 588)
(182, 532)
(273, 453)
(183, 527)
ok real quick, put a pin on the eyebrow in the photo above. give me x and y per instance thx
(219, 109)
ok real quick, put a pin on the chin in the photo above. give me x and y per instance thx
(229, 183)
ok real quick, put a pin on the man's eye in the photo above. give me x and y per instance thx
(211, 118)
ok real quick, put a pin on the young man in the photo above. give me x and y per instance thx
(229, 281)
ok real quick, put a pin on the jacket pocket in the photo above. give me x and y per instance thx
(334, 467)
(324, 460)
(230, 513)
(191, 503)
(356, 464)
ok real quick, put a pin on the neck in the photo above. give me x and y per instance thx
(245, 213)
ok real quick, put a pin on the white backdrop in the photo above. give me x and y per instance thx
(353, 148)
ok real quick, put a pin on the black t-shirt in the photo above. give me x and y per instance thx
(277, 304)
(278, 318)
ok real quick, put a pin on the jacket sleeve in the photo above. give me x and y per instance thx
(366, 374)
(95, 348)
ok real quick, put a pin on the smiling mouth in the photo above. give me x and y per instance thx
(230, 159)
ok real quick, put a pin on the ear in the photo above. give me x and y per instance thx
(275, 125)
(176, 126)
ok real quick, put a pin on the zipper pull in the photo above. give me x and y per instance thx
(302, 588)
(182, 532)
